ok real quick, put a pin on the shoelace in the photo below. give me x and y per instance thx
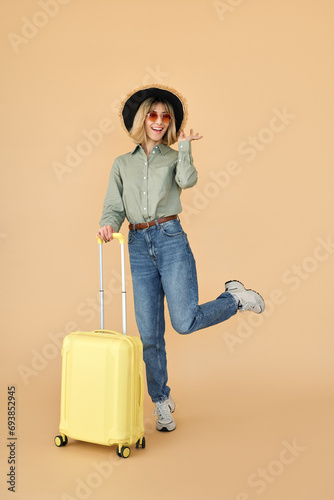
(247, 304)
(163, 411)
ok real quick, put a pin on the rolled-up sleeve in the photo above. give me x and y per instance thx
(186, 174)
(113, 208)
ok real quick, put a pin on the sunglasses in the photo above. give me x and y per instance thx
(153, 116)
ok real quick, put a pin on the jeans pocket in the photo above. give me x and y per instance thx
(172, 228)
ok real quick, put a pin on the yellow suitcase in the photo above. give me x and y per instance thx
(102, 387)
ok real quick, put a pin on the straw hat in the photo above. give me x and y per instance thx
(131, 103)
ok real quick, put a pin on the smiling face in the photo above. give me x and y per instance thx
(155, 130)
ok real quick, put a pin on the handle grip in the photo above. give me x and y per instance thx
(119, 236)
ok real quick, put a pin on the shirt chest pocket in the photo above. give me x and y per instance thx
(162, 177)
(164, 164)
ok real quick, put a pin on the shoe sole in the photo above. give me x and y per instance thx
(165, 428)
(243, 289)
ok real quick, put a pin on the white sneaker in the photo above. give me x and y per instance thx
(165, 421)
(248, 299)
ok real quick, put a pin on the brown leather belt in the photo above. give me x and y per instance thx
(146, 225)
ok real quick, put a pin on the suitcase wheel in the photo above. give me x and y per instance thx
(124, 452)
(141, 443)
(61, 440)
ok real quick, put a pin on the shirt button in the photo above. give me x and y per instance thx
(153, 152)
(144, 192)
(144, 177)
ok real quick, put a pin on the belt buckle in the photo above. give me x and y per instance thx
(147, 225)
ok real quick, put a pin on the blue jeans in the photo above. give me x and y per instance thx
(162, 265)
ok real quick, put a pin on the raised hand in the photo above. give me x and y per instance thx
(190, 137)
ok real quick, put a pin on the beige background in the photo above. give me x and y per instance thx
(250, 388)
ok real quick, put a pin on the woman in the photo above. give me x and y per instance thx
(145, 187)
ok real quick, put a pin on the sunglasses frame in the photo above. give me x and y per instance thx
(156, 116)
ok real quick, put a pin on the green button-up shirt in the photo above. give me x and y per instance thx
(145, 188)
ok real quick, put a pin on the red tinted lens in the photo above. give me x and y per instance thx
(165, 117)
(153, 116)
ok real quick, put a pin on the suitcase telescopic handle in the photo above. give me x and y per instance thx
(118, 236)
(121, 239)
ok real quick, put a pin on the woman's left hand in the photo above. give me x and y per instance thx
(190, 137)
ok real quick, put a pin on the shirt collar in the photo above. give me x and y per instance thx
(162, 148)
(138, 146)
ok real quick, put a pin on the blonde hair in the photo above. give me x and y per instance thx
(137, 132)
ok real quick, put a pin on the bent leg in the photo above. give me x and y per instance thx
(179, 280)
